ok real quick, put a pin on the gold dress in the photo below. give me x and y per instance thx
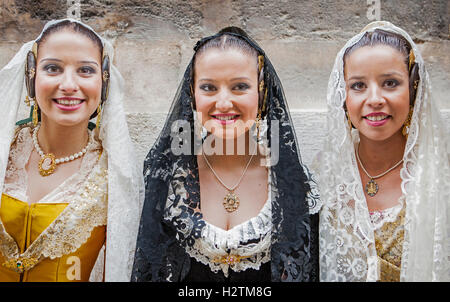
(52, 240)
(389, 235)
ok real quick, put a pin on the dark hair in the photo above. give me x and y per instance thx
(225, 41)
(75, 27)
(382, 37)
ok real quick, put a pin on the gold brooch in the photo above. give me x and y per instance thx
(20, 265)
(229, 259)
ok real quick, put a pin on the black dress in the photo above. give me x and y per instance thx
(171, 176)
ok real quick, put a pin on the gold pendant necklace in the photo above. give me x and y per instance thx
(231, 201)
(47, 163)
(372, 186)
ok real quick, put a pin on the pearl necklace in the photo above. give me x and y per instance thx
(48, 162)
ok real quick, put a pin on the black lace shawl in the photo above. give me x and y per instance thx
(160, 252)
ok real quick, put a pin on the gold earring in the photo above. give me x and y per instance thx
(99, 116)
(407, 124)
(258, 124)
(349, 121)
(35, 117)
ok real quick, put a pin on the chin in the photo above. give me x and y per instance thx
(229, 134)
(69, 122)
(380, 137)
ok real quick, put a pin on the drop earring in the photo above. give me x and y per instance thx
(99, 116)
(35, 115)
(407, 124)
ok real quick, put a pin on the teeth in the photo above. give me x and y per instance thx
(375, 118)
(225, 118)
(68, 102)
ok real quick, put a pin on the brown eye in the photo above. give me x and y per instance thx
(358, 86)
(52, 68)
(391, 83)
(208, 87)
(241, 86)
(86, 70)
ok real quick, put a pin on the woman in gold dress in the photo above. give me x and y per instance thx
(384, 173)
(70, 196)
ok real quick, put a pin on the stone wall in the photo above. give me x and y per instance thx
(153, 41)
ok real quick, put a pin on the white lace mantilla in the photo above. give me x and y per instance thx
(347, 232)
(86, 210)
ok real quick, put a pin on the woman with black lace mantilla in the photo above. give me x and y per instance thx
(227, 196)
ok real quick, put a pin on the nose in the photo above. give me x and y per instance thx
(375, 97)
(224, 101)
(68, 82)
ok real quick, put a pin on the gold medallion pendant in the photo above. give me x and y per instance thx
(231, 202)
(371, 188)
(47, 164)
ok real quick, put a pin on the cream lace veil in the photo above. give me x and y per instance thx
(347, 247)
(125, 181)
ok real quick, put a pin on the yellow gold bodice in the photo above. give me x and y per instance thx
(389, 244)
(24, 223)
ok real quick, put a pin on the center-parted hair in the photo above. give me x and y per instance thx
(73, 26)
(382, 37)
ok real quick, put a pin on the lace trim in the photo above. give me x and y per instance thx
(379, 218)
(312, 197)
(249, 241)
(72, 227)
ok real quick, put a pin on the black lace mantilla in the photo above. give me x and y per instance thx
(160, 252)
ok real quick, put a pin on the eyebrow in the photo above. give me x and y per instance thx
(58, 60)
(387, 74)
(233, 79)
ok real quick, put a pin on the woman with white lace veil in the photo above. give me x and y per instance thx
(71, 192)
(383, 174)
(212, 214)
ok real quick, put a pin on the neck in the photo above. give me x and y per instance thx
(62, 140)
(378, 156)
(231, 154)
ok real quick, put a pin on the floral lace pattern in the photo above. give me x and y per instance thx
(250, 240)
(347, 236)
(86, 210)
